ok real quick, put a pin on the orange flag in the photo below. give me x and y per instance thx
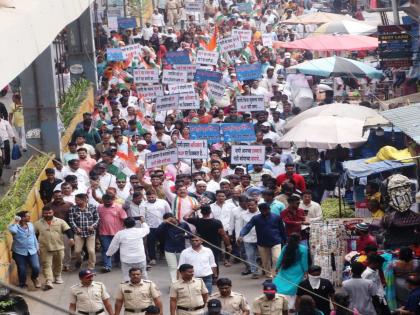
(213, 41)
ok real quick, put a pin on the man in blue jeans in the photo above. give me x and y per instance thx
(25, 248)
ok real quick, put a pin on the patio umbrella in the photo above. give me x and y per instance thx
(345, 27)
(331, 43)
(317, 18)
(360, 113)
(325, 132)
(337, 67)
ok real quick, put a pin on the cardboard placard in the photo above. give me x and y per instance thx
(247, 154)
(130, 51)
(150, 91)
(178, 57)
(192, 149)
(114, 54)
(160, 158)
(238, 132)
(194, 6)
(166, 102)
(124, 22)
(248, 72)
(267, 40)
(207, 75)
(188, 101)
(146, 75)
(174, 77)
(244, 35)
(250, 103)
(189, 69)
(211, 132)
(112, 23)
(230, 43)
(186, 88)
(207, 57)
(216, 90)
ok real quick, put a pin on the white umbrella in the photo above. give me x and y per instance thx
(337, 109)
(326, 132)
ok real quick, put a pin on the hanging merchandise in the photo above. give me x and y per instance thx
(328, 243)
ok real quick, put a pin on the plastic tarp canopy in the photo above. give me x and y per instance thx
(359, 168)
(28, 27)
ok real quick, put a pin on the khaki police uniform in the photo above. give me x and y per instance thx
(136, 297)
(264, 306)
(89, 299)
(234, 304)
(51, 245)
(189, 296)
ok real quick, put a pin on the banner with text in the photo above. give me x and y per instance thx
(160, 158)
(146, 75)
(206, 75)
(189, 69)
(188, 101)
(150, 91)
(216, 90)
(211, 132)
(250, 103)
(174, 77)
(114, 54)
(244, 35)
(248, 72)
(192, 149)
(267, 40)
(238, 132)
(247, 154)
(130, 51)
(207, 57)
(230, 43)
(186, 88)
(178, 57)
(166, 102)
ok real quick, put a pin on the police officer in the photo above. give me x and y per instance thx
(137, 294)
(232, 302)
(152, 310)
(270, 303)
(89, 297)
(188, 295)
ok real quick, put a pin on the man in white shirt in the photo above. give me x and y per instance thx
(221, 209)
(313, 211)
(73, 169)
(130, 243)
(276, 165)
(198, 166)
(214, 184)
(268, 134)
(155, 209)
(157, 18)
(250, 240)
(202, 259)
(6, 134)
(147, 32)
(105, 179)
(161, 136)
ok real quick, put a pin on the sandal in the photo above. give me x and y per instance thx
(227, 263)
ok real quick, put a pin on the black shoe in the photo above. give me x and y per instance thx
(78, 264)
(245, 273)
(106, 269)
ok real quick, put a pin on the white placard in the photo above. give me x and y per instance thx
(194, 6)
(207, 57)
(190, 69)
(250, 103)
(163, 157)
(112, 23)
(150, 91)
(216, 90)
(146, 75)
(192, 149)
(188, 101)
(166, 102)
(130, 51)
(230, 43)
(244, 35)
(247, 154)
(174, 77)
(267, 40)
(116, 11)
(186, 88)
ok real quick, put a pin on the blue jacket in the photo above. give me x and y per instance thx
(270, 230)
(24, 240)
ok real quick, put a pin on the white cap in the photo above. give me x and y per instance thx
(142, 142)
(266, 124)
(287, 55)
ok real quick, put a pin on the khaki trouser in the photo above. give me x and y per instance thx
(79, 242)
(269, 257)
(51, 263)
(172, 17)
(67, 252)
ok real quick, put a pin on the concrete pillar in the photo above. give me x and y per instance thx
(40, 101)
(81, 46)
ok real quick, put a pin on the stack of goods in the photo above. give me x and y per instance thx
(328, 243)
